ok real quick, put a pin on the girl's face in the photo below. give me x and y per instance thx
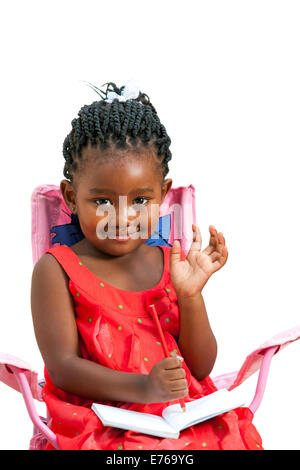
(117, 198)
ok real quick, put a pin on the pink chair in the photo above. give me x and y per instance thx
(53, 224)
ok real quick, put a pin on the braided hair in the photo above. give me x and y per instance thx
(124, 125)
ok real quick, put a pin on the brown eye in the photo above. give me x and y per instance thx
(139, 198)
(103, 199)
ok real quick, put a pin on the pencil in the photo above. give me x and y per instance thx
(164, 345)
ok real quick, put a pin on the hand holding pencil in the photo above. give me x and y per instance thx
(166, 381)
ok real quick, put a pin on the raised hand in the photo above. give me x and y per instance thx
(190, 276)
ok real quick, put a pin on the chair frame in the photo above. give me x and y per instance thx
(40, 424)
(21, 381)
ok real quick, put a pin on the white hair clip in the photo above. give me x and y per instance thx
(130, 91)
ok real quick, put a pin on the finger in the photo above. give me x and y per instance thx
(173, 354)
(220, 255)
(213, 241)
(214, 236)
(172, 362)
(197, 239)
(222, 249)
(222, 238)
(179, 385)
(215, 256)
(225, 252)
(219, 259)
(175, 252)
(178, 394)
(219, 243)
(175, 374)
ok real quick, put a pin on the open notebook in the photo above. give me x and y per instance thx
(173, 418)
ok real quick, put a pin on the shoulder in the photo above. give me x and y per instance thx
(47, 261)
(50, 293)
(48, 270)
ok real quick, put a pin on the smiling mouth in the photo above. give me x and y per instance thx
(122, 236)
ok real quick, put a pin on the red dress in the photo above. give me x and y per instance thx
(117, 330)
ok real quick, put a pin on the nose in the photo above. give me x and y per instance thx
(124, 214)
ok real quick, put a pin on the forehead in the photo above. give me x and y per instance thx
(120, 170)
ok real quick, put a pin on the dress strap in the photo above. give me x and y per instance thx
(68, 260)
(90, 283)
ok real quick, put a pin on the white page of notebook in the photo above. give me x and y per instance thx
(203, 408)
(134, 420)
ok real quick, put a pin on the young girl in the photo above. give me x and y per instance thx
(91, 301)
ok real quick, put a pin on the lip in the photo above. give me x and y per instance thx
(120, 238)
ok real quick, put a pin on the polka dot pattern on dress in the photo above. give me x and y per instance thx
(117, 331)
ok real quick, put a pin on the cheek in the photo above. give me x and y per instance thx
(153, 218)
(146, 220)
(91, 216)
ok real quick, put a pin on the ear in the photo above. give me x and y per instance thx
(166, 186)
(68, 194)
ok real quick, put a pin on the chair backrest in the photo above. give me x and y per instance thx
(53, 224)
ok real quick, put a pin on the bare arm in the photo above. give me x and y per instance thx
(197, 342)
(189, 274)
(57, 337)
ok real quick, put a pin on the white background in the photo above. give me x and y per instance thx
(224, 77)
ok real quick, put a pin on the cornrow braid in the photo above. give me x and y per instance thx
(120, 123)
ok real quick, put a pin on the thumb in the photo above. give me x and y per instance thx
(175, 252)
(173, 354)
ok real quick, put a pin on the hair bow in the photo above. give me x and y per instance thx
(130, 91)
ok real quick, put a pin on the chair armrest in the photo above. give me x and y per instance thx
(29, 402)
(262, 378)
